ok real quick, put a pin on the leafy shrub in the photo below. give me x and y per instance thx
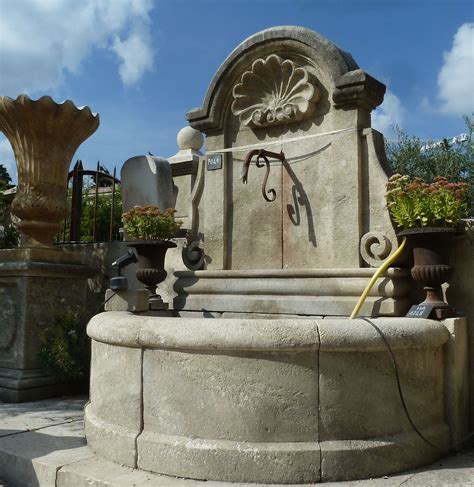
(149, 223)
(64, 344)
(455, 162)
(414, 203)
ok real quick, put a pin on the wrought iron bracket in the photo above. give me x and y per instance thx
(262, 160)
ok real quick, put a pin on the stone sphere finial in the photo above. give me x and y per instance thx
(189, 138)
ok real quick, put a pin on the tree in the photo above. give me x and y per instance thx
(10, 238)
(453, 161)
(5, 178)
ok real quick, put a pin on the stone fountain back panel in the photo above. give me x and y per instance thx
(288, 83)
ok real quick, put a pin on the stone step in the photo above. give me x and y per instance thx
(42, 444)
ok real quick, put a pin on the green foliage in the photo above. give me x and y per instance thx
(64, 344)
(10, 238)
(5, 178)
(455, 162)
(149, 223)
(104, 206)
(414, 203)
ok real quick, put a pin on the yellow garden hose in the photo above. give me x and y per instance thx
(379, 271)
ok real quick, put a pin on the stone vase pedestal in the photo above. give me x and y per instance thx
(36, 279)
(34, 282)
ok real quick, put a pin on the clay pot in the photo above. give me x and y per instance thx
(431, 250)
(151, 266)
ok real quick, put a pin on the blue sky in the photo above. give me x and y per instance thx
(142, 64)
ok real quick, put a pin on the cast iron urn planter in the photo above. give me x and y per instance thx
(431, 250)
(151, 267)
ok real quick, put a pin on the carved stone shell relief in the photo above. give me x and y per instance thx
(273, 92)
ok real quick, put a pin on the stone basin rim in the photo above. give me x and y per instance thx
(126, 329)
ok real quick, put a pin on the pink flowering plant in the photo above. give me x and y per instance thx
(414, 203)
(149, 223)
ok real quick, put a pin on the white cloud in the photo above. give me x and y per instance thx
(456, 77)
(41, 39)
(136, 56)
(390, 113)
(7, 158)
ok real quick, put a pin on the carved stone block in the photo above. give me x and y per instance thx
(272, 92)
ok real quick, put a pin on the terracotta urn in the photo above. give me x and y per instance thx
(44, 136)
(431, 250)
(151, 266)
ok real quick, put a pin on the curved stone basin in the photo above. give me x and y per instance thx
(273, 401)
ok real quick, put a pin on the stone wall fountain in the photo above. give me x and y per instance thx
(35, 277)
(256, 375)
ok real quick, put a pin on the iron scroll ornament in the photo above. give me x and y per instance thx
(269, 195)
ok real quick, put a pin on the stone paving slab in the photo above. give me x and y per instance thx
(37, 453)
(32, 458)
(454, 471)
(28, 416)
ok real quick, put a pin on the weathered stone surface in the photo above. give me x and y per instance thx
(380, 456)
(256, 413)
(260, 394)
(359, 396)
(279, 462)
(100, 472)
(135, 301)
(76, 467)
(32, 458)
(336, 62)
(358, 89)
(460, 293)
(40, 254)
(114, 417)
(17, 418)
(304, 292)
(189, 139)
(375, 247)
(146, 180)
(328, 183)
(457, 380)
(29, 292)
(44, 136)
(283, 402)
(291, 96)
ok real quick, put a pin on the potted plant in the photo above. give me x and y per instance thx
(152, 231)
(429, 215)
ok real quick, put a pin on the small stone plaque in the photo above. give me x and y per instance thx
(214, 162)
(420, 311)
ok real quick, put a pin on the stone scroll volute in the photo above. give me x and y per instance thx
(274, 91)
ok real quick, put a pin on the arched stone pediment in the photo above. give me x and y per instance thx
(299, 45)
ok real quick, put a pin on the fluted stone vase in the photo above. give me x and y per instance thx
(44, 136)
